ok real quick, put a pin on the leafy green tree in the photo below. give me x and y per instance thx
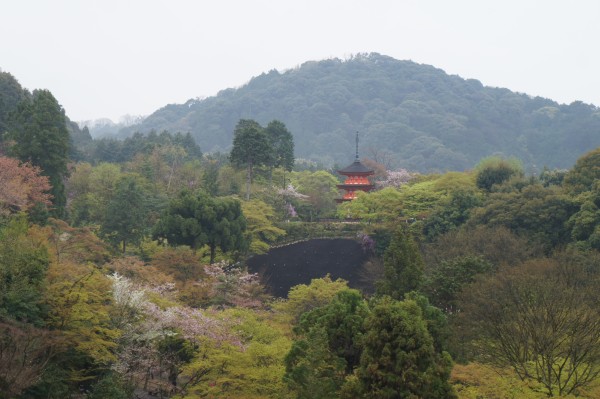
(584, 174)
(11, 94)
(126, 215)
(495, 171)
(444, 282)
(38, 128)
(251, 148)
(195, 219)
(24, 261)
(303, 298)
(312, 369)
(260, 228)
(403, 266)
(321, 188)
(327, 346)
(384, 205)
(533, 211)
(585, 224)
(398, 358)
(451, 213)
(282, 143)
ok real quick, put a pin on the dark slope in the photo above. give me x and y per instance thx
(427, 119)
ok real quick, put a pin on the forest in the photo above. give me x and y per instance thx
(123, 269)
(429, 120)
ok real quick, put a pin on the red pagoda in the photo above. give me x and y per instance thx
(356, 178)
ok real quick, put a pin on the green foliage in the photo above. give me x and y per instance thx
(321, 188)
(495, 171)
(303, 298)
(426, 119)
(282, 143)
(445, 281)
(398, 359)
(125, 221)
(38, 129)
(342, 322)
(541, 320)
(121, 151)
(251, 148)
(403, 266)
(383, 206)
(537, 212)
(261, 230)
(584, 174)
(195, 219)
(250, 372)
(24, 260)
(110, 386)
(11, 94)
(312, 370)
(451, 213)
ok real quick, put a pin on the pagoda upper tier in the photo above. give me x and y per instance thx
(356, 180)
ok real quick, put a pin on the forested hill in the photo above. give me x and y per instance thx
(427, 119)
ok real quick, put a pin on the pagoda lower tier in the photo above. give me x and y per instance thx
(352, 185)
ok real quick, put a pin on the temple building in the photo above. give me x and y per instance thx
(356, 178)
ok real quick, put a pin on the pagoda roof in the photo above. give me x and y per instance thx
(356, 168)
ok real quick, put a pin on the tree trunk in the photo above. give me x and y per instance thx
(212, 253)
(124, 246)
(248, 180)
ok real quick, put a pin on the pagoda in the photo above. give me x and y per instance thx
(356, 178)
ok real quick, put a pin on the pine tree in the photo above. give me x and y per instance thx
(39, 131)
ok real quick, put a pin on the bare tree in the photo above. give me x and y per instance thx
(541, 319)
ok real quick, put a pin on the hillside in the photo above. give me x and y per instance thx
(423, 118)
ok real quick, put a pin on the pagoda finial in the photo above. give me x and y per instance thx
(357, 146)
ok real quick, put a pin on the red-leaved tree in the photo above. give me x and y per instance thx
(21, 186)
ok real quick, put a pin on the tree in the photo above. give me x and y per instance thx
(446, 280)
(261, 231)
(126, 215)
(303, 298)
(495, 170)
(327, 346)
(540, 319)
(23, 186)
(585, 172)
(39, 131)
(24, 260)
(320, 186)
(282, 144)
(251, 148)
(534, 211)
(195, 219)
(24, 354)
(451, 213)
(403, 266)
(378, 206)
(398, 358)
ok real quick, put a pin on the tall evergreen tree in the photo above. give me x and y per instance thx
(403, 266)
(398, 358)
(39, 131)
(125, 220)
(282, 142)
(251, 148)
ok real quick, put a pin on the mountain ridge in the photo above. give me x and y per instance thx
(420, 117)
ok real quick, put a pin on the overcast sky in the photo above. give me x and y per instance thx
(109, 58)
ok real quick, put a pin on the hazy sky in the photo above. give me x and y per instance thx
(109, 58)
